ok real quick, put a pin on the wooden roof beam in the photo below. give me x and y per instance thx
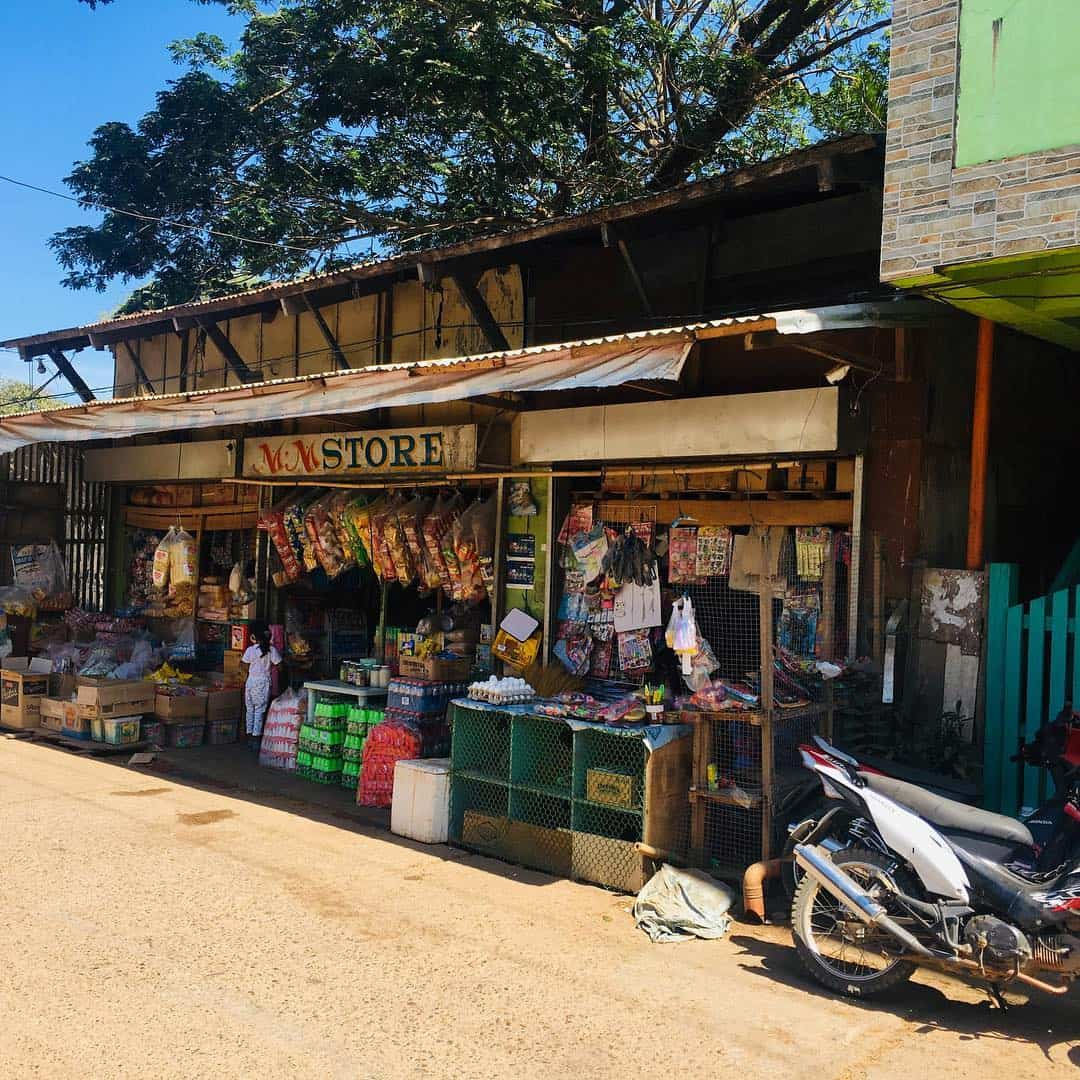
(614, 239)
(297, 305)
(63, 364)
(469, 287)
(140, 371)
(228, 350)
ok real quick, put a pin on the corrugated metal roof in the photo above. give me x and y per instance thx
(420, 366)
(702, 190)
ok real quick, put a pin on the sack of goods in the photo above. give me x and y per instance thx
(281, 732)
(386, 745)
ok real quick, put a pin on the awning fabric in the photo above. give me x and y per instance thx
(595, 363)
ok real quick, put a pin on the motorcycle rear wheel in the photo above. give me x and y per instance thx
(835, 948)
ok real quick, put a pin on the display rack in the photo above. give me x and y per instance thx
(520, 791)
(756, 758)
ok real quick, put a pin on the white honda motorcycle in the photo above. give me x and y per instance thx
(961, 895)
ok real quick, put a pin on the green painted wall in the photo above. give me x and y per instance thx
(1019, 78)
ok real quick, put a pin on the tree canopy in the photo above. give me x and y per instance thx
(21, 397)
(339, 127)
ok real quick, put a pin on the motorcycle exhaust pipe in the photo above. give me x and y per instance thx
(834, 881)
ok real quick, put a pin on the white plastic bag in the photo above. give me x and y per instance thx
(183, 559)
(682, 633)
(163, 559)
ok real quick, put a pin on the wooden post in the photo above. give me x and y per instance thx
(980, 445)
(766, 591)
(827, 617)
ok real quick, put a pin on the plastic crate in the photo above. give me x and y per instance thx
(185, 736)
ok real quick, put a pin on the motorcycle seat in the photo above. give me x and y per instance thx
(947, 814)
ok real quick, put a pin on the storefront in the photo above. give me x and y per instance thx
(619, 569)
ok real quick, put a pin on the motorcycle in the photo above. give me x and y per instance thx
(895, 876)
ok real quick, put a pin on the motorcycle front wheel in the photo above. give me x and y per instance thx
(838, 950)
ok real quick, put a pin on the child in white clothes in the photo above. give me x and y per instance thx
(260, 657)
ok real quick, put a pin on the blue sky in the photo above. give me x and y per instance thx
(65, 69)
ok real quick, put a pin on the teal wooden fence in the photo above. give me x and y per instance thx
(1032, 669)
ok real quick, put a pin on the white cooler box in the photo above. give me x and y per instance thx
(421, 806)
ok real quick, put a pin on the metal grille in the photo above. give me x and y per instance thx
(86, 514)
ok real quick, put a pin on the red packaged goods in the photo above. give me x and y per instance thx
(272, 521)
(323, 533)
(386, 744)
(469, 587)
(281, 731)
(436, 529)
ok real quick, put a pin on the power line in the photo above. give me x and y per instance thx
(154, 219)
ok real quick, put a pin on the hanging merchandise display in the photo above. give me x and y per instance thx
(521, 502)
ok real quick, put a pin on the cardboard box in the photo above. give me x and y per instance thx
(612, 788)
(57, 713)
(173, 708)
(23, 683)
(114, 697)
(225, 705)
(232, 663)
(435, 669)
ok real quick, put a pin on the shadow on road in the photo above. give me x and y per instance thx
(234, 771)
(1040, 1020)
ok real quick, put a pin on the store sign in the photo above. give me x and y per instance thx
(400, 450)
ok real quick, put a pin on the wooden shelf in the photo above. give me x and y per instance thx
(195, 519)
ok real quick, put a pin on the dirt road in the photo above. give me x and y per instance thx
(153, 929)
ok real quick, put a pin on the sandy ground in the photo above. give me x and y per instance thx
(156, 929)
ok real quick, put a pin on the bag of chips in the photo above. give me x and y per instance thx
(163, 560)
(436, 528)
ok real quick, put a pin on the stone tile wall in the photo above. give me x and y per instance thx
(934, 214)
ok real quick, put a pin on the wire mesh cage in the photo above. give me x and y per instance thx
(571, 800)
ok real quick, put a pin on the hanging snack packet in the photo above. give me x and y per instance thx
(357, 520)
(521, 502)
(384, 559)
(470, 587)
(163, 559)
(398, 545)
(411, 518)
(483, 530)
(272, 521)
(319, 524)
(183, 560)
(436, 527)
(297, 530)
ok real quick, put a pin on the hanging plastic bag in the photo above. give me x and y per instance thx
(183, 559)
(436, 529)
(521, 502)
(380, 539)
(682, 633)
(163, 559)
(319, 525)
(469, 588)
(356, 520)
(411, 519)
(483, 530)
